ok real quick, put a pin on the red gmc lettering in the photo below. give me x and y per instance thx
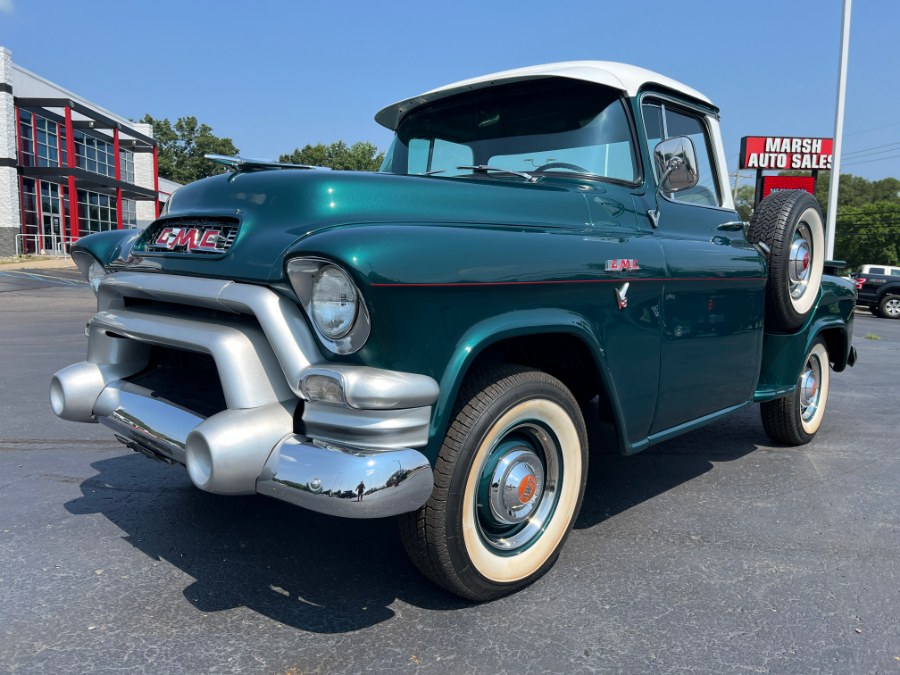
(186, 238)
(208, 240)
(163, 238)
(622, 265)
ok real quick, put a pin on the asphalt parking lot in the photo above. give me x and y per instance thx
(716, 552)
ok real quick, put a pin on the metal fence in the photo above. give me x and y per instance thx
(44, 244)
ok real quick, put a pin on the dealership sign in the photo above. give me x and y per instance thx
(772, 184)
(785, 153)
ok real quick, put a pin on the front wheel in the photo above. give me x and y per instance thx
(509, 481)
(795, 419)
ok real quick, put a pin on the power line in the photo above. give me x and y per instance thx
(865, 131)
(874, 149)
(868, 161)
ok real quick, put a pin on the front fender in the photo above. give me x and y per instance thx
(499, 328)
(106, 246)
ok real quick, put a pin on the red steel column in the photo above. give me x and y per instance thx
(73, 190)
(40, 214)
(62, 214)
(37, 183)
(118, 177)
(156, 178)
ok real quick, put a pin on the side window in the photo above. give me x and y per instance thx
(662, 121)
(653, 125)
(895, 273)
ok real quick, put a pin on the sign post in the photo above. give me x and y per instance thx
(831, 216)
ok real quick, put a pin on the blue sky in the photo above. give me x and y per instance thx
(277, 75)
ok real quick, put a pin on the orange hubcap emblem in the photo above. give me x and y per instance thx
(527, 488)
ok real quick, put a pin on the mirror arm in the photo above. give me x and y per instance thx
(653, 214)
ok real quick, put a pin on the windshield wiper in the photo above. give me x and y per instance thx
(484, 168)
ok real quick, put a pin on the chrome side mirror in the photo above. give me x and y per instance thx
(676, 169)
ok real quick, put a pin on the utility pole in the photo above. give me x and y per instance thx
(838, 133)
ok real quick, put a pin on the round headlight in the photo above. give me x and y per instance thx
(95, 275)
(334, 303)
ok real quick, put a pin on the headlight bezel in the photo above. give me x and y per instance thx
(303, 273)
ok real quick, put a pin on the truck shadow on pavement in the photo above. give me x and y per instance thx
(616, 482)
(332, 575)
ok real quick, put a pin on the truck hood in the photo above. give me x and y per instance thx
(270, 212)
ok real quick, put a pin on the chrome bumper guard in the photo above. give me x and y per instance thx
(347, 482)
(322, 477)
(355, 461)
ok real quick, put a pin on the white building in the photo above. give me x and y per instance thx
(69, 167)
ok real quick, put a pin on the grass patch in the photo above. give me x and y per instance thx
(872, 336)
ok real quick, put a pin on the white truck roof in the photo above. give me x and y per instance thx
(626, 78)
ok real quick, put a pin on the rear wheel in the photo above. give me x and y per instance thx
(795, 419)
(509, 481)
(889, 307)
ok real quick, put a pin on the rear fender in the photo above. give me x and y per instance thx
(783, 354)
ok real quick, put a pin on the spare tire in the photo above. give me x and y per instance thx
(789, 224)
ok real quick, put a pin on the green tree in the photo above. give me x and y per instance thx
(869, 233)
(360, 156)
(182, 147)
(868, 220)
(743, 201)
(853, 190)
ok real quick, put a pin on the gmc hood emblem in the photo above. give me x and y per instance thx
(188, 239)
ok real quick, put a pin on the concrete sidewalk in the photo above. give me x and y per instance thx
(37, 262)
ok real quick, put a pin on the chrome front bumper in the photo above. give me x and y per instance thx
(354, 460)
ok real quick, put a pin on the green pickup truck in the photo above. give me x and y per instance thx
(423, 342)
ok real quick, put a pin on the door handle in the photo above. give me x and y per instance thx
(731, 226)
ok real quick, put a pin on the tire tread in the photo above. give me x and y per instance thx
(770, 224)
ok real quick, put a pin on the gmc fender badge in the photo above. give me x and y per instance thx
(622, 265)
(622, 296)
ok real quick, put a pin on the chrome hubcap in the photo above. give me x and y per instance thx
(799, 264)
(892, 307)
(809, 389)
(516, 486)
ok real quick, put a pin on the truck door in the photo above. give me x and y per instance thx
(712, 307)
(627, 310)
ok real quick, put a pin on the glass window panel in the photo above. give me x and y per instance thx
(685, 124)
(522, 127)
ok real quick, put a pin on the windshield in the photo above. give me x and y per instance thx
(539, 127)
